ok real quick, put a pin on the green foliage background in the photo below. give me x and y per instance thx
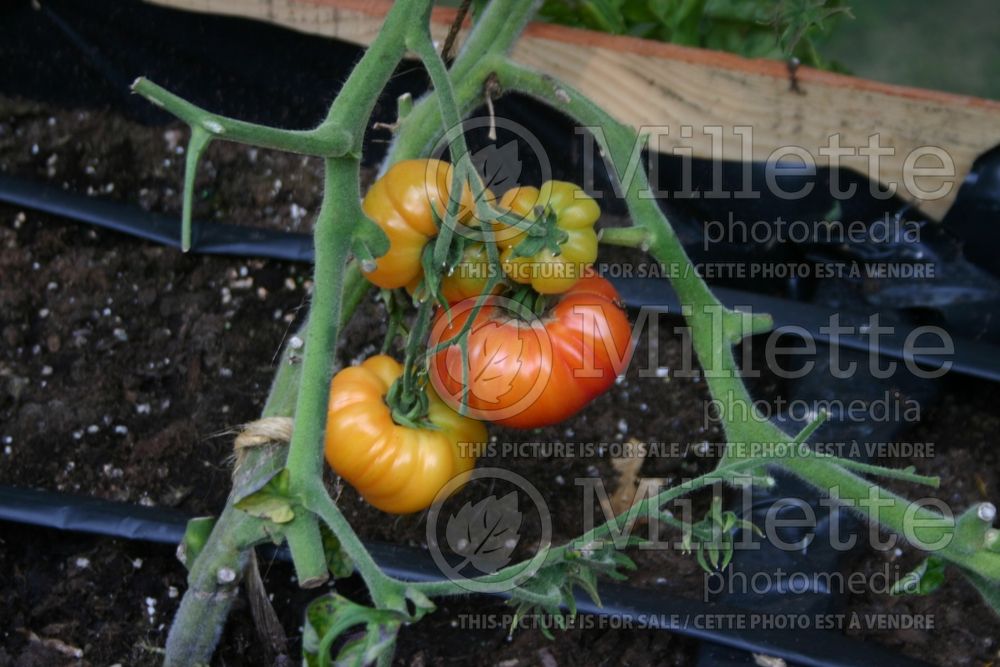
(752, 28)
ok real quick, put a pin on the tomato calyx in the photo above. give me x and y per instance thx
(407, 396)
(528, 301)
(542, 234)
(409, 406)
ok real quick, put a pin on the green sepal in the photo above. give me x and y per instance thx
(271, 502)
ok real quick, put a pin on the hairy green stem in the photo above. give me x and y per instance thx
(339, 219)
(200, 139)
(629, 237)
(715, 329)
(332, 242)
(327, 140)
(494, 33)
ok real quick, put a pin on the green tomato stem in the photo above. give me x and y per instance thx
(324, 141)
(629, 237)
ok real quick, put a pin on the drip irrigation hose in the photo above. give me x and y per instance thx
(638, 607)
(970, 357)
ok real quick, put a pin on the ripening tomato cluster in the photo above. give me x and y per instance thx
(524, 366)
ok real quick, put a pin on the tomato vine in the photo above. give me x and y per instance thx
(302, 382)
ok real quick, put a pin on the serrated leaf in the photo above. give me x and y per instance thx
(925, 578)
(271, 502)
(485, 533)
(569, 600)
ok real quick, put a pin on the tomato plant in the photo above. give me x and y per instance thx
(397, 468)
(491, 356)
(523, 371)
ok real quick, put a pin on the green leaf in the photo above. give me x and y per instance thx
(700, 557)
(604, 15)
(432, 272)
(337, 561)
(271, 502)
(195, 536)
(727, 555)
(587, 580)
(329, 616)
(923, 579)
(421, 603)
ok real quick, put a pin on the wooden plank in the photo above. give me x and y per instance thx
(662, 88)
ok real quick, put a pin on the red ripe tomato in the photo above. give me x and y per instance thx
(527, 372)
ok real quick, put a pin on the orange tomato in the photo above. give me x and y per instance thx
(527, 373)
(398, 469)
(404, 203)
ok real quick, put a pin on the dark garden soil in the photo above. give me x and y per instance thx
(125, 366)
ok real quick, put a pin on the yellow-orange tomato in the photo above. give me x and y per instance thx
(469, 278)
(398, 469)
(404, 203)
(574, 212)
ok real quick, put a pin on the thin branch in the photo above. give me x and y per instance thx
(324, 141)
(456, 25)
